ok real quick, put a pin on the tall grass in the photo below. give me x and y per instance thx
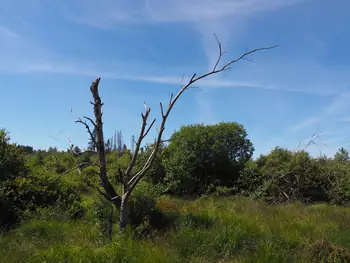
(205, 230)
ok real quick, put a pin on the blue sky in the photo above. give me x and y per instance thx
(51, 51)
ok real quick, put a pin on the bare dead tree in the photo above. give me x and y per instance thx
(129, 178)
(302, 145)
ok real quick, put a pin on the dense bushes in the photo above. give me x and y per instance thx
(12, 167)
(22, 191)
(284, 175)
(199, 158)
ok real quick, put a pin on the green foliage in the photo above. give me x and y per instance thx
(342, 155)
(156, 173)
(12, 170)
(251, 181)
(26, 149)
(12, 163)
(278, 177)
(338, 180)
(200, 157)
(64, 218)
(23, 191)
(284, 176)
(27, 194)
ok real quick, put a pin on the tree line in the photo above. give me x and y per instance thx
(198, 160)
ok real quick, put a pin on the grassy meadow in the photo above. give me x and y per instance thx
(209, 229)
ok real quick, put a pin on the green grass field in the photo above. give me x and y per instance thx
(205, 230)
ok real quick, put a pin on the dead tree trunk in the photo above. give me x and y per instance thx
(124, 215)
(99, 143)
(129, 178)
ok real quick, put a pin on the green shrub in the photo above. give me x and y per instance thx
(12, 169)
(199, 158)
(285, 176)
(22, 191)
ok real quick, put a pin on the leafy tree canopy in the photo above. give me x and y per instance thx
(201, 156)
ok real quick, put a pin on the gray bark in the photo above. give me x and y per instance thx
(124, 218)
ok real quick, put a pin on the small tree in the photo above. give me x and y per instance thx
(342, 155)
(91, 144)
(130, 178)
(200, 157)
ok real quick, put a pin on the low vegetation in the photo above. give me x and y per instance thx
(283, 207)
(225, 229)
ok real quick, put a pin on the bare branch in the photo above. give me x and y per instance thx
(161, 109)
(247, 59)
(220, 52)
(171, 139)
(139, 141)
(82, 152)
(92, 122)
(138, 176)
(311, 141)
(192, 78)
(88, 130)
(55, 138)
(247, 53)
(148, 129)
(171, 98)
(78, 166)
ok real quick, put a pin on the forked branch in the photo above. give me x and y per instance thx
(139, 175)
(142, 135)
(88, 130)
(130, 184)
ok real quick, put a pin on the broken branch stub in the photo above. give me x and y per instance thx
(100, 143)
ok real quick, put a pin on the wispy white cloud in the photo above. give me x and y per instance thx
(7, 32)
(330, 125)
(223, 17)
(45, 62)
(306, 123)
(109, 12)
(333, 112)
(339, 105)
(285, 76)
(336, 132)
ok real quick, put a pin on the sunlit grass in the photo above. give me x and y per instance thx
(205, 230)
